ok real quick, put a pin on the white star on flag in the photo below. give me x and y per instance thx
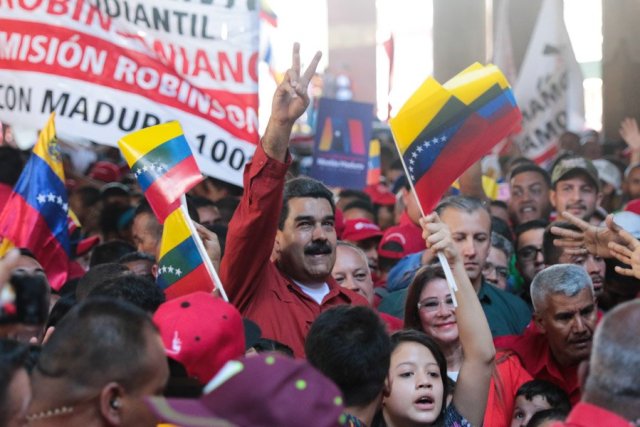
(59, 200)
(419, 149)
(410, 168)
(414, 155)
(145, 168)
(411, 161)
(434, 141)
(65, 206)
(443, 139)
(170, 269)
(41, 198)
(178, 272)
(51, 197)
(426, 144)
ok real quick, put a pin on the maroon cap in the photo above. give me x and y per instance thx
(105, 172)
(356, 230)
(202, 332)
(259, 391)
(380, 194)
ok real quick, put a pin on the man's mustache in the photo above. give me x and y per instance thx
(318, 247)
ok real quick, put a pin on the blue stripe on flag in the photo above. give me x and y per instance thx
(422, 154)
(41, 188)
(178, 262)
(160, 160)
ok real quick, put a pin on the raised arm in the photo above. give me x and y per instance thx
(631, 136)
(252, 229)
(472, 388)
(289, 102)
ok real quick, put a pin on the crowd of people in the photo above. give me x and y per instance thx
(342, 309)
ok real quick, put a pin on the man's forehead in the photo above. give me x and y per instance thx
(474, 221)
(344, 251)
(559, 302)
(309, 206)
(527, 178)
(532, 236)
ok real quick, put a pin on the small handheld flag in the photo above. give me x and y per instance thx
(443, 129)
(35, 215)
(183, 265)
(161, 159)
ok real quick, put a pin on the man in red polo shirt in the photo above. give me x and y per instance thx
(283, 297)
(559, 338)
(611, 392)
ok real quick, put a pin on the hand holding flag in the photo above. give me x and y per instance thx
(162, 161)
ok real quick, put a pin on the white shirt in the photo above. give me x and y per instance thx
(316, 294)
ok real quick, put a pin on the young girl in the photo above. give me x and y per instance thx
(416, 391)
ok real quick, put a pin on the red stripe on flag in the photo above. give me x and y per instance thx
(198, 280)
(23, 225)
(164, 194)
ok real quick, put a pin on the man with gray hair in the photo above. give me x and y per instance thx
(560, 336)
(611, 392)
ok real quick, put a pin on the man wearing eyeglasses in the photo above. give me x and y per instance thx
(496, 267)
(529, 259)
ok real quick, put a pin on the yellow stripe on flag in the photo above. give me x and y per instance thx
(417, 112)
(135, 145)
(472, 82)
(46, 147)
(175, 232)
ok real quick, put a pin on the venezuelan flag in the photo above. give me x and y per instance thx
(373, 170)
(444, 129)
(181, 269)
(162, 161)
(267, 14)
(35, 216)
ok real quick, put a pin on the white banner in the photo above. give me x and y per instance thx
(110, 67)
(549, 87)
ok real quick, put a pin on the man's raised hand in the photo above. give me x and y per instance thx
(289, 102)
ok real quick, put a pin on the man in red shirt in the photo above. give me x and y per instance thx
(285, 296)
(611, 394)
(559, 338)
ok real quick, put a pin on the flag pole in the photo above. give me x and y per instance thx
(443, 260)
(201, 249)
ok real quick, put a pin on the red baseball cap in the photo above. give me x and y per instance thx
(202, 332)
(633, 206)
(405, 236)
(105, 172)
(392, 246)
(380, 195)
(356, 230)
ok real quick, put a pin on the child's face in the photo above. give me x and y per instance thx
(524, 409)
(415, 386)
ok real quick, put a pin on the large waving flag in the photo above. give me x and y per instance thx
(35, 216)
(443, 129)
(181, 266)
(161, 159)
